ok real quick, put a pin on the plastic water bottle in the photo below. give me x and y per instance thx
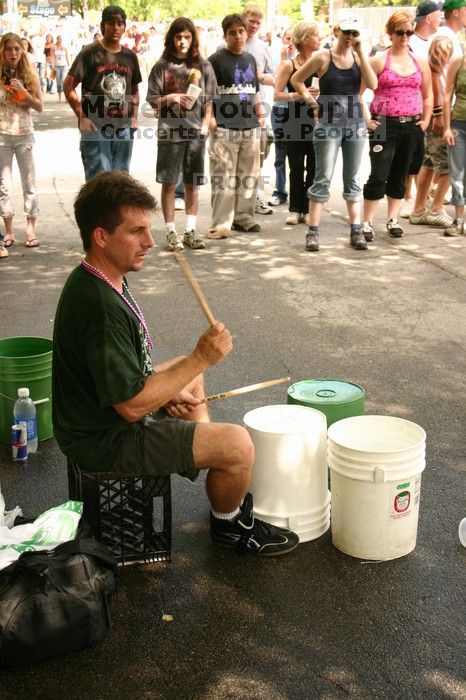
(24, 411)
(2, 509)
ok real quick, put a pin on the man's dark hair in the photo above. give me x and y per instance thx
(230, 20)
(181, 24)
(101, 200)
(109, 13)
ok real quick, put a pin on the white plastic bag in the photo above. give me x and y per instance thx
(7, 517)
(53, 527)
(11, 515)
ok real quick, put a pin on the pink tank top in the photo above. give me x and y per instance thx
(398, 95)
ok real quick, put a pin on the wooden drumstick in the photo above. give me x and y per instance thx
(246, 389)
(193, 283)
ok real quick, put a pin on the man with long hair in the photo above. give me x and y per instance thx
(180, 89)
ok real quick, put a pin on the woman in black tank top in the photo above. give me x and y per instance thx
(344, 72)
(295, 132)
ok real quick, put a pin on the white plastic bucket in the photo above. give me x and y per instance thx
(376, 464)
(289, 478)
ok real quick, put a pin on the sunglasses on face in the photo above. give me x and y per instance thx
(404, 32)
(350, 32)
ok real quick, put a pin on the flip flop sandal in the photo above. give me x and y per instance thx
(32, 243)
(7, 242)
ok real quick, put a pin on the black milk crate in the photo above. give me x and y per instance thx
(131, 515)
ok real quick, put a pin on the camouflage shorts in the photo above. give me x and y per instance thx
(435, 154)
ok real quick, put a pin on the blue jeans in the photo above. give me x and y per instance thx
(60, 77)
(99, 153)
(328, 139)
(49, 81)
(457, 163)
(179, 192)
(280, 174)
(279, 163)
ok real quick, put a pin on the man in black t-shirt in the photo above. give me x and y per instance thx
(107, 111)
(111, 412)
(235, 134)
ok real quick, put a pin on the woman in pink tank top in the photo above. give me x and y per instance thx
(402, 105)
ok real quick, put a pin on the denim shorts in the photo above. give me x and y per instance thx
(157, 446)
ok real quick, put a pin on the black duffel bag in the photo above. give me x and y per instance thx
(55, 602)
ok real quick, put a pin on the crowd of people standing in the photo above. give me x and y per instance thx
(218, 97)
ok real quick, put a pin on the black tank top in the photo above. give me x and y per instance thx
(299, 109)
(339, 94)
(307, 82)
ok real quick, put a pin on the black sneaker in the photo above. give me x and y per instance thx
(247, 534)
(358, 240)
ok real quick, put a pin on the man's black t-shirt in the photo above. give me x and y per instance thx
(237, 85)
(107, 80)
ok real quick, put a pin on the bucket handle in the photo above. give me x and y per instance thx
(379, 475)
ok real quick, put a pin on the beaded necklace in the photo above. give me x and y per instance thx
(131, 303)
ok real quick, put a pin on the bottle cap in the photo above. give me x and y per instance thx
(462, 532)
(23, 392)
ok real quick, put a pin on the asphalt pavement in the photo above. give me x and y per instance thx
(316, 623)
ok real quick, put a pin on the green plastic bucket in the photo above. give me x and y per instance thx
(26, 361)
(337, 399)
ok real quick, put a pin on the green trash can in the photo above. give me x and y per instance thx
(336, 398)
(26, 361)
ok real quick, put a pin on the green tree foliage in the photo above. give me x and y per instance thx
(378, 3)
(199, 9)
(143, 10)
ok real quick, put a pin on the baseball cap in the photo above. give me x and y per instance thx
(426, 8)
(350, 23)
(453, 5)
(109, 12)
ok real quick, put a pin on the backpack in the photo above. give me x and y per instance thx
(55, 602)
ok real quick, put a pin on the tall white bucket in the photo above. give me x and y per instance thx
(289, 478)
(376, 464)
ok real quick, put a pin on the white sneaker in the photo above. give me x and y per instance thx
(194, 240)
(179, 204)
(394, 228)
(406, 209)
(367, 231)
(420, 218)
(261, 207)
(438, 218)
(293, 218)
(3, 252)
(274, 202)
(456, 229)
(174, 241)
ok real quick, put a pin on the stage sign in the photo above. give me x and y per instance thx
(44, 8)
